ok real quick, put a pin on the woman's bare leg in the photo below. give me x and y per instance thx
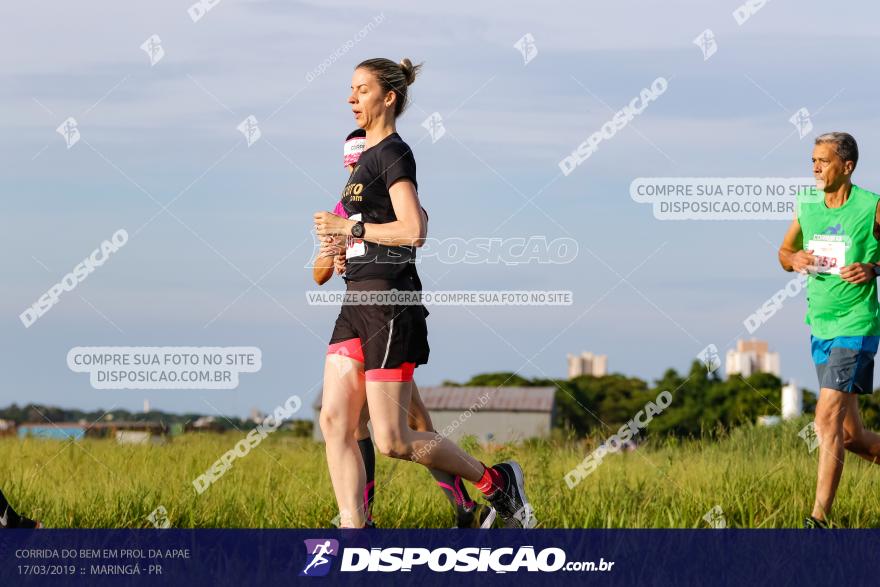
(389, 411)
(502, 484)
(340, 415)
(466, 516)
(362, 430)
(418, 417)
(368, 456)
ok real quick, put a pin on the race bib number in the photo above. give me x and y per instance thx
(355, 247)
(830, 255)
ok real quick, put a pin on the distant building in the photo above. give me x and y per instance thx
(492, 414)
(792, 401)
(204, 424)
(56, 431)
(792, 405)
(751, 356)
(129, 432)
(123, 432)
(587, 364)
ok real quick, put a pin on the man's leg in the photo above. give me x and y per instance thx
(858, 440)
(831, 411)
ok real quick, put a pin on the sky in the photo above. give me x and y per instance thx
(219, 230)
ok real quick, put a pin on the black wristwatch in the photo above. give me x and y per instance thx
(357, 231)
(876, 268)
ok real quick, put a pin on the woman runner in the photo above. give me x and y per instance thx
(385, 225)
(468, 514)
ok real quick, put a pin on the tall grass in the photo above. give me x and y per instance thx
(761, 478)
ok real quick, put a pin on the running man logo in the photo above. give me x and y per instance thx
(709, 357)
(526, 46)
(341, 361)
(434, 125)
(715, 518)
(70, 131)
(801, 121)
(706, 43)
(250, 129)
(159, 518)
(320, 553)
(153, 48)
(808, 433)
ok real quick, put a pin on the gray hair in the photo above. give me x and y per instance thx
(844, 144)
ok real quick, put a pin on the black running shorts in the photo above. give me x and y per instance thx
(393, 339)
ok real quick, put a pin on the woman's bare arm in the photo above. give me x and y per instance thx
(409, 229)
(323, 269)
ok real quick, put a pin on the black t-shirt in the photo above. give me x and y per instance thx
(366, 197)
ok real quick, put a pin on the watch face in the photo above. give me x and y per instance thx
(357, 230)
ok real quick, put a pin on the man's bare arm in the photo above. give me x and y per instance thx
(792, 255)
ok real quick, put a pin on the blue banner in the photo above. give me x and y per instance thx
(437, 557)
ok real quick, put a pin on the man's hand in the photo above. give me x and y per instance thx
(339, 264)
(857, 273)
(802, 261)
(329, 224)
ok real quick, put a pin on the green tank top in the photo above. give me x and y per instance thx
(841, 236)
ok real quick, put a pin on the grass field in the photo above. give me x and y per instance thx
(761, 478)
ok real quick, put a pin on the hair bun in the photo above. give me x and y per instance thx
(409, 70)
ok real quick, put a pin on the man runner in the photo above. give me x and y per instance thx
(835, 238)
